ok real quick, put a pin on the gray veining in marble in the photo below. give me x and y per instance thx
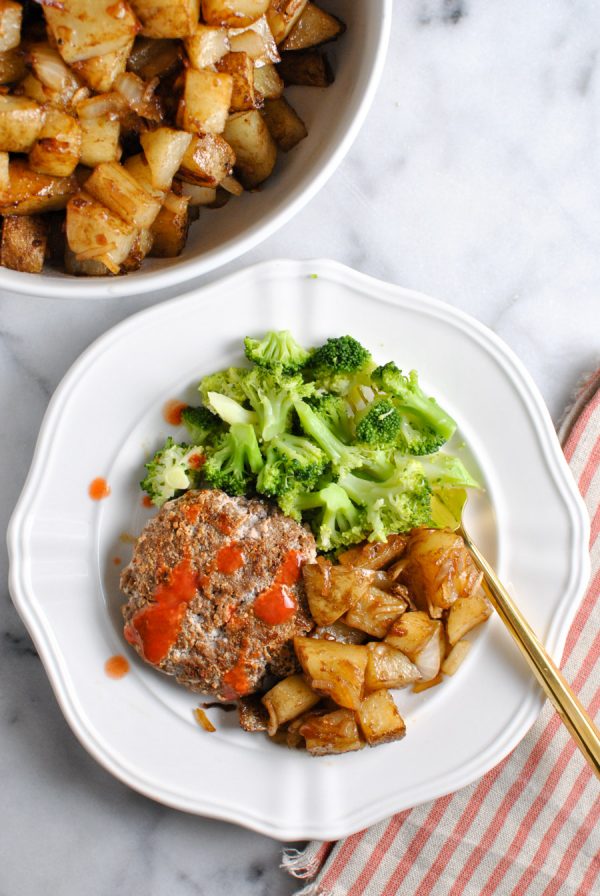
(476, 178)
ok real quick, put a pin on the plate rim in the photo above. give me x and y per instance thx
(371, 288)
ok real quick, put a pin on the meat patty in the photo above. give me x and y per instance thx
(215, 592)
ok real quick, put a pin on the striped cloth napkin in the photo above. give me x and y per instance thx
(532, 824)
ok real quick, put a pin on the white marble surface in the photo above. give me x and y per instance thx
(476, 178)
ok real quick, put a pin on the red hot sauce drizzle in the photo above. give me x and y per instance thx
(230, 558)
(277, 603)
(155, 628)
(98, 489)
(172, 411)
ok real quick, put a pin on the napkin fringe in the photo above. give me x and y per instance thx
(299, 863)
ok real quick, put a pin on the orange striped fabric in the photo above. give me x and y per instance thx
(531, 826)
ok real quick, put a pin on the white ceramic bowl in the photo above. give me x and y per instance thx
(333, 117)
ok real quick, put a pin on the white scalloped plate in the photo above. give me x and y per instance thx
(106, 416)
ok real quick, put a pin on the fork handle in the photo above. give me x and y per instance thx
(577, 720)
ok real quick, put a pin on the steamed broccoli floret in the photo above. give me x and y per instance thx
(445, 471)
(225, 382)
(270, 397)
(335, 520)
(234, 464)
(410, 396)
(277, 351)
(341, 365)
(335, 411)
(342, 457)
(291, 461)
(379, 425)
(203, 426)
(396, 504)
(173, 468)
(417, 437)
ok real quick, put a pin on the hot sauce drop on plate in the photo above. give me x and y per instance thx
(116, 666)
(98, 489)
(172, 411)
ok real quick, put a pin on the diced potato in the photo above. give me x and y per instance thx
(331, 590)
(284, 123)
(256, 41)
(140, 248)
(198, 195)
(465, 613)
(58, 148)
(31, 193)
(81, 29)
(313, 28)
(455, 657)
(425, 685)
(90, 267)
(439, 569)
(101, 72)
(252, 714)
(282, 15)
(12, 66)
(254, 148)
(11, 15)
(207, 45)
(333, 669)
(23, 246)
(334, 732)
(169, 230)
(388, 668)
(233, 13)
(154, 58)
(241, 69)
(309, 68)
(207, 160)
(375, 611)
(375, 554)
(231, 185)
(267, 82)
(206, 101)
(21, 121)
(99, 141)
(379, 719)
(114, 187)
(428, 658)
(94, 232)
(288, 700)
(139, 169)
(411, 632)
(167, 18)
(164, 149)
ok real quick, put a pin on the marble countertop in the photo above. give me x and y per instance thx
(476, 178)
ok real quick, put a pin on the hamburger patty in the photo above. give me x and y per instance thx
(215, 592)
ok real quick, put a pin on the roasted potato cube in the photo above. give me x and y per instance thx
(333, 669)
(411, 632)
(207, 161)
(101, 72)
(331, 590)
(81, 29)
(207, 45)
(307, 69)
(252, 714)
(267, 82)
(375, 611)
(455, 657)
(114, 187)
(376, 554)
(12, 66)
(388, 668)
(90, 267)
(241, 69)
(425, 685)
(233, 13)
(58, 148)
(170, 228)
(339, 631)
(284, 123)
(164, 149)
(29, 193)
(198, 195)
(288, 700)
(23, 246)
(94, 232)
(206, 101)
(282, 15)
(11, 15)
(21, 121)
(231, 185)
(439, 569)
(139, 169)
(379, 719)
(256, 41)
(142, 245)
(99, 141)
(167, 18)
(465, 613)
(313, 28)
(254, 148)
(334, 732)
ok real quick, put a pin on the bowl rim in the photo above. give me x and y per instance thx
(68, 287)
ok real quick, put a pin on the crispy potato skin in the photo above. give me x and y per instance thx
(23, 246)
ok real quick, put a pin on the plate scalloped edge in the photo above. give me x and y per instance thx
(557, 466)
